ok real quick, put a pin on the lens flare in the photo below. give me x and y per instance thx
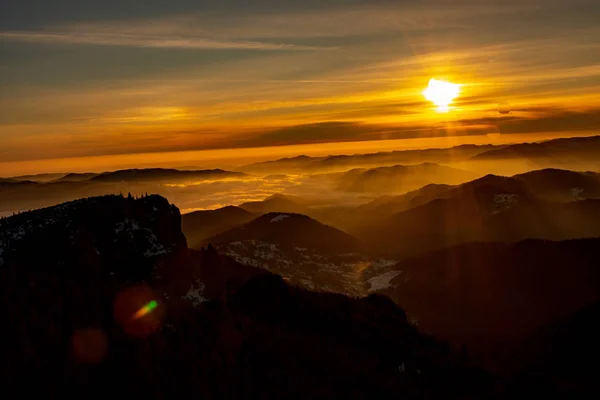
(147, 309)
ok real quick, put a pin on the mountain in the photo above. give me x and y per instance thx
(109, 230)
(77, 177)
(547, 184)
(277, 203)
(8, 184)
(290, 231)
(201, 225)
(562, 185)
(39, 177)
(401, 178)
(485, 294)
(386, 206)
(556, 152)
(300, 249)
(491, 208)
(334, 163)
(102, 293)
(159, 174)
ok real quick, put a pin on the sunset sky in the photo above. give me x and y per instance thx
(88, 78)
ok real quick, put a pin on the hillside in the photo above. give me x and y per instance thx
(277, 203)
(491, 208)
(401, 178)
(76, 177)
(561, 185)
(488, 295)
(288, 231)
(199, 226)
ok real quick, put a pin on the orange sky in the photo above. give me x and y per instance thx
(84, 82)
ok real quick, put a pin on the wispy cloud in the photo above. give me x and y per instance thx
(331, 22)
(172, 42)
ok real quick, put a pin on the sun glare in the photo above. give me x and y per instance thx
(441, 93)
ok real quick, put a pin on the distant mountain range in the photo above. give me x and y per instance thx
(401, 178)
(547, 204)
(334, 163)
(564, 149)
(491, 208)
(28, 194)
(159, 174)
(129, 175)
(76, 177)
(558, 153)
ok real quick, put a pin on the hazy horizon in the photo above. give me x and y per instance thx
(231, 158)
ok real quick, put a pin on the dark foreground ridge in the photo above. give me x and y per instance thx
(75, 281)
(101, 297)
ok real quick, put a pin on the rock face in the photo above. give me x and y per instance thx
(69, 272)
(120, 236)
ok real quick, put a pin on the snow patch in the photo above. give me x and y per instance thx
(195, 293)
(504, 201)
(576, 193)
(382, 281)
(280, 217)
(505, 198)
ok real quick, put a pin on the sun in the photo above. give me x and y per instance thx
(441, 93)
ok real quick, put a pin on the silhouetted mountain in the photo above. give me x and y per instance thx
(111, 230)
(13, 185)
(401, 178)
(491, 209)
(546, 184)
(277, 203)
(77, 177)
(300, 249)
(562, 185)
(563, 150)
(344, 162)
(290, 231)
(92, 295)
(386, 206)
(201, 225)
(159, 174)
(483, 294)
(38, 177)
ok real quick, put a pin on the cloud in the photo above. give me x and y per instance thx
(540, 119)
(160, 42)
